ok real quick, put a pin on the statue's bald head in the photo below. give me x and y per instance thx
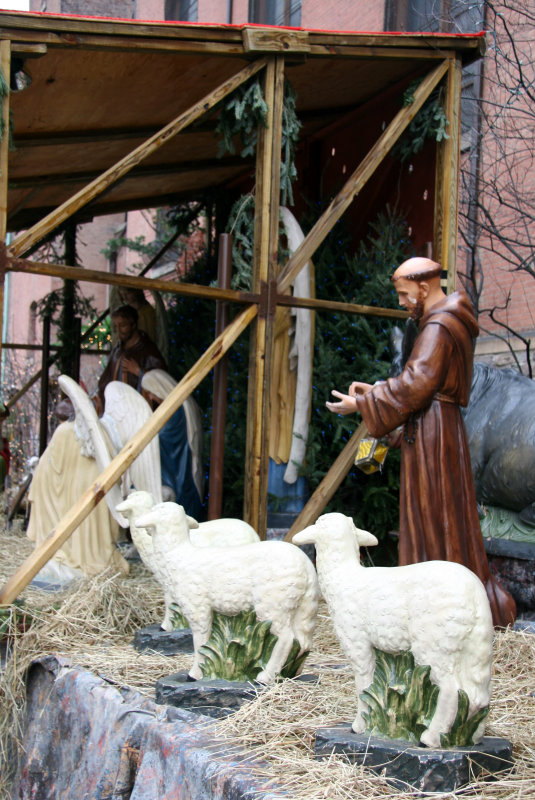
(417, 283)
(418, 269)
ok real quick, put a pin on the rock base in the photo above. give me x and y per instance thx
(407, 766)
(214, 697)
(169, 643)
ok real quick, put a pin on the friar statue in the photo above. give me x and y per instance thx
(438, 516)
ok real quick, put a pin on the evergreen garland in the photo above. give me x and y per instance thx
(241, 114)
(430, 123)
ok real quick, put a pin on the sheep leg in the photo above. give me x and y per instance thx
(167, 624)
(363, 678)
(444, 714)
(201, 634)
(278, 657)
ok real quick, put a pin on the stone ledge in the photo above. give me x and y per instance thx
(215, 698)
(407, 766)
(168, 643)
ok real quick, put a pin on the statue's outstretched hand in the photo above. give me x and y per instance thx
(357, 387)
(346, 404)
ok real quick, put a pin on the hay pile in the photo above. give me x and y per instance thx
(92, 626)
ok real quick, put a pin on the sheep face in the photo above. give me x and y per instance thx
(169, 516)
(136, 502)
(334, 527)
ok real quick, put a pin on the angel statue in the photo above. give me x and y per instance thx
(77, 453)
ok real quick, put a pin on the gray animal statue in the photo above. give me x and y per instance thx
(500, 424)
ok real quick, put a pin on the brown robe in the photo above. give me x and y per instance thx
(438, 509)
(144, 352)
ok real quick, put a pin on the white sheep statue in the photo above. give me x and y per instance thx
(436, 609)
(274, 578)
(214, 533)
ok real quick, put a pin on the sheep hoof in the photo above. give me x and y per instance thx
(265, 677)
(430, 739)
(359, 726)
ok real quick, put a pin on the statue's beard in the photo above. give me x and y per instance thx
(417, 309)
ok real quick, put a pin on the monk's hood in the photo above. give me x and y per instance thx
(455, 310)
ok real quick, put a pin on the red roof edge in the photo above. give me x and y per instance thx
(242, 25)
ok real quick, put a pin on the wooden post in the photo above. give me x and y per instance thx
(219, 407)
(364, 171)
(330, 483)
(122, 461)
(26, 240)
(43, 416)
(447, 177)
(5, 65)
(266, 240)
(76, 350)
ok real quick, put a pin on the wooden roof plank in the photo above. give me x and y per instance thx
(23, 243)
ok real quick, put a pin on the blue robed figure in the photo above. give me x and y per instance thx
(180, 443)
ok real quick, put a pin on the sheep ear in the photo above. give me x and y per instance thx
(192, 523)
(365, 538)
(305, 536)
(145, 521)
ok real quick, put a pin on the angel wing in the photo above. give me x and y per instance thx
(89, 433)
(125, 412)
(301, 352)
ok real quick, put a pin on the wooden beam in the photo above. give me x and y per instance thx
(330, 483)
(358, 179)
(193, 289)
(318, 304)
(122, 461)
(24, 242)
(475, 44)
(122, 44)
(266, 239)
(116, 279)
(380, 53)
(70, 31)
(447, 178)
(5, 66)
(211, 165)
(52, 40)
(139, 29)
(275, 40)
(28, 50)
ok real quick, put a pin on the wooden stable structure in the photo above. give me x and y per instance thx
(117, 117)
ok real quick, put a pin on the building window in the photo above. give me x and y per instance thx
(181, 10)
(275, 12)
(445, 16)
